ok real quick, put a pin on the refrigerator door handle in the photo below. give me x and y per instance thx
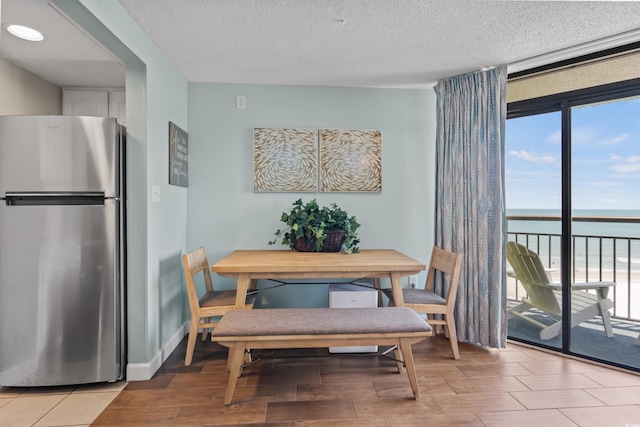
(36, 198)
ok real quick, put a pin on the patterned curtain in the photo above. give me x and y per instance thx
(470, 201)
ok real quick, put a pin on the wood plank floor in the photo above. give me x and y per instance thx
(312, 388)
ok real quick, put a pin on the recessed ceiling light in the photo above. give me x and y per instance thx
(25, 33)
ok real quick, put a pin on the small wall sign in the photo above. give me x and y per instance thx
(178, 156)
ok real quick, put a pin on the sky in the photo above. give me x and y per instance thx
(605, 158)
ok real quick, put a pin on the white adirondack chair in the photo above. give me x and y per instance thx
(547, 297)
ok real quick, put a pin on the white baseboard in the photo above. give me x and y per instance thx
(145, 371)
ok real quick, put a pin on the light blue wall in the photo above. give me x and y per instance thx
(219, 210)
(225, 214)
(156, 94)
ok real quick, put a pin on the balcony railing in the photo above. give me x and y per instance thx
(594, 258)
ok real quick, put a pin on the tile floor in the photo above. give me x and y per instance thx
(516, 386)
(55, 406)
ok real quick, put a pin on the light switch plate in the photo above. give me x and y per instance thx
(155, 194)
(241, 102)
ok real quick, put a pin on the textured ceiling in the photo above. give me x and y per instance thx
(369, 43)
(382, 43)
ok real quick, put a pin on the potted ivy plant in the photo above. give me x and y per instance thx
(311, 228)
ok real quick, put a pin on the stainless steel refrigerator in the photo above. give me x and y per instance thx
(62, 250)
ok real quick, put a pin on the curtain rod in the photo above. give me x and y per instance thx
(590, 51)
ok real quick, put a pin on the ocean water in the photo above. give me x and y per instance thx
(613, 245)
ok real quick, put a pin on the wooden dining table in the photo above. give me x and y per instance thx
(249, 266)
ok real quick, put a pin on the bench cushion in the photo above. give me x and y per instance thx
(319, 321)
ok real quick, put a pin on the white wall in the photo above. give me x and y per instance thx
(225, 214)
(22, 92)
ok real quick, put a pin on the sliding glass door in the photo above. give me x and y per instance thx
(605, 200)
(573, 207)
(534, 205)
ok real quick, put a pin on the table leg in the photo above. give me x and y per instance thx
(396, 288)
(241, 292)
(397, 354)
(378, 286)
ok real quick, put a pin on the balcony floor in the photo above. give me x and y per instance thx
(587, 339)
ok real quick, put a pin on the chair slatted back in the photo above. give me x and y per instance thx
(195, 263)
(448, 263)
(530, 272)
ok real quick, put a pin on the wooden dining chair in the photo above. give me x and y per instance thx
(439, 310)
(212, 304)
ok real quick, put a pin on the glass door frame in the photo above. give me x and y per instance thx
(563, 103)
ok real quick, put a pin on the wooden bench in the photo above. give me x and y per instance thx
(240, 330)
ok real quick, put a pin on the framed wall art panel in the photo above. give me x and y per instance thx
(285, 160)
(350, 160)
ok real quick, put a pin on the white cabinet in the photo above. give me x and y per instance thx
(85, 103)
(117, 106)
(94, 102)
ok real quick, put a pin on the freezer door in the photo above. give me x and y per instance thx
(59, 293)
(59, 153)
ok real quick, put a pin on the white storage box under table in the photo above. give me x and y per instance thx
(349, 295)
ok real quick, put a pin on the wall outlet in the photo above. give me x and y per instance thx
(413, 281)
